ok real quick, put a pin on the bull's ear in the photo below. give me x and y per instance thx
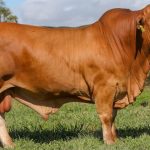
(146, 11)
(140, 23)
(144, 17)
(146, 14)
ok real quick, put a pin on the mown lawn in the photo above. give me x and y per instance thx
(76, 127)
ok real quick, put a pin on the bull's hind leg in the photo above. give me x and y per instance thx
(104, 106)
(5, 106)
(5, 139)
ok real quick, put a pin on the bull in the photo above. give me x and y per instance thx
(105, 63)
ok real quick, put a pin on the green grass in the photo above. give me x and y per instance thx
(77, 127)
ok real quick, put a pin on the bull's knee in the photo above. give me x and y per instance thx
(105, 118)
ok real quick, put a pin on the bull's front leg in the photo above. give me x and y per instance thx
(5, 139)
(113, 129)
(104, 105)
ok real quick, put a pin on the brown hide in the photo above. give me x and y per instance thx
(38, 65)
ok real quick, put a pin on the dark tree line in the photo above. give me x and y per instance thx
(6, 14)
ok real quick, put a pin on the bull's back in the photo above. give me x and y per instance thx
(45, 58)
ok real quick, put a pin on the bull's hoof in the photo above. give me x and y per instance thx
(115, 136)
(109, 142)
(12, 146)
(9, 146)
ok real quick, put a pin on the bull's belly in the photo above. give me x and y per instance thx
(45, 103)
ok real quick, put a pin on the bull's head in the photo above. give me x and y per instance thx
(143, 25)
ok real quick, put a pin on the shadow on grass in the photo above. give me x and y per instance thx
(133, 132)
(46, 136)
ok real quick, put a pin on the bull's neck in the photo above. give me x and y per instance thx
(146, 44)
(140, 67)
(121, 46)
(143, 55)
